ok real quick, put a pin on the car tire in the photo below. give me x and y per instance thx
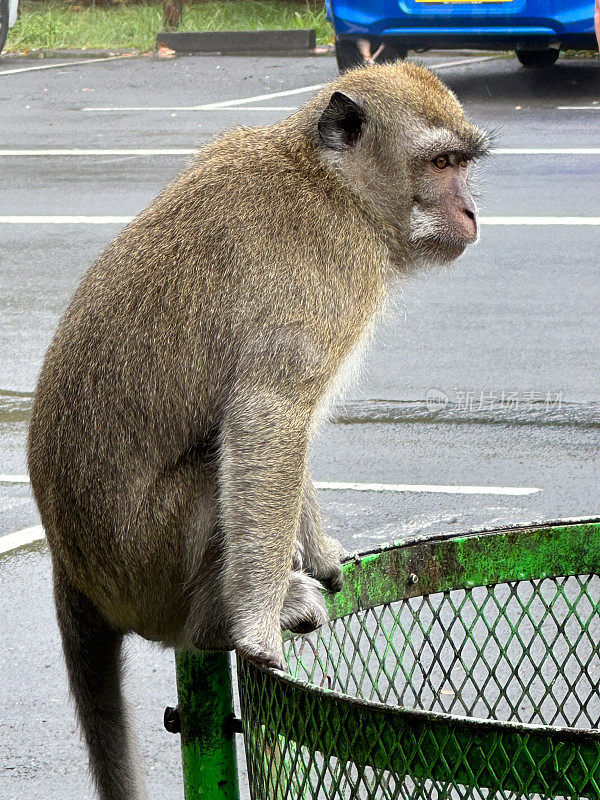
(3, 22)
(348, 55)
(538, 58)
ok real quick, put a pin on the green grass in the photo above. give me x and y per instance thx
(580, 53)
(53, 25)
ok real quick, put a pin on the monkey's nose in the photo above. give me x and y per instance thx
(469, 224)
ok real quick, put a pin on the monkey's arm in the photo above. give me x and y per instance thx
(320, 554)
(262, 462)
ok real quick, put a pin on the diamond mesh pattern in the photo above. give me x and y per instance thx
(519, 652)
(524, 651)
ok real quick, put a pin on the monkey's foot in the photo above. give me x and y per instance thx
(325, 565)
(303, 608)
(261, 654)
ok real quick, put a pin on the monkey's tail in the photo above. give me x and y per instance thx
(94, 665)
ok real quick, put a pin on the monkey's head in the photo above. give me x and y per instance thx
(398, 138)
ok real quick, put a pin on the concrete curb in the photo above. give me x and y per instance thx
(251, 42)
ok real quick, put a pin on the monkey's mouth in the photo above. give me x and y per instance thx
(443, 228)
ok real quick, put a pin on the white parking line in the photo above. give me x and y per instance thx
(12, 541)
(62, 220)
(229, 104)
(19, 538)
(381, 487)
(64, 64)
(540, 220)
(139, 151)
(82, 62)
(28, 219)
(513, 491)
(578, 108)
(192, 108)
(462, 62)
(543, 151)
(14, 478)
(186, 151)
(220, 106)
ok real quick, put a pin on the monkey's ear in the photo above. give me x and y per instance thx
(341, 124)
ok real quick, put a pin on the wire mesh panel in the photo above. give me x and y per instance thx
(465, 667)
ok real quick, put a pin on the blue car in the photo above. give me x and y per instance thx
(386, 29)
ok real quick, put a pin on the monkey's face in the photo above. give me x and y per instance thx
(443, 216)
(399, 139)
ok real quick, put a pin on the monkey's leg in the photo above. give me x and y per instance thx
(93, 657)
(262, 461)
(320, 554)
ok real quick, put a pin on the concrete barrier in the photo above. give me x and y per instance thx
(238, 41)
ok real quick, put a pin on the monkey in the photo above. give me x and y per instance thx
(176, 405)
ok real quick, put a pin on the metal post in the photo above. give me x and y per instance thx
(207, 726)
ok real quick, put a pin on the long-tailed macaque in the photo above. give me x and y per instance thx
(175, 408)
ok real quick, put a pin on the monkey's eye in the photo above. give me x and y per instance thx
(464, 163)
(441, 162)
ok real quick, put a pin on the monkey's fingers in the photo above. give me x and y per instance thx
(333, 582)
(326, 564)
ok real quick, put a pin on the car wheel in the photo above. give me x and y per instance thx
(348, 54)
(391, 53)
(538, 58)
(3, 22)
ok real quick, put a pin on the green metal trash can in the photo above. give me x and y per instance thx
(454, 667)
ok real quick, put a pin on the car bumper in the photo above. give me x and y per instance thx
(497, 24)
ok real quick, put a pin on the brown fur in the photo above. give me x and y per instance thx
(174, 411)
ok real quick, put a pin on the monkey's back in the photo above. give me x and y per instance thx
(131, 390)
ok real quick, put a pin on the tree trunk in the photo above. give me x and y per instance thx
(172, 11)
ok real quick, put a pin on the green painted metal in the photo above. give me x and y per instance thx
(207, 739)
(478, 559)
(311, 729)
(454, 668)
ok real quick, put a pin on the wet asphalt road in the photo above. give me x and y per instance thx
(507, 341)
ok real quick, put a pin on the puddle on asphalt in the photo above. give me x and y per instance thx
(26, 552)
(534, 412)
(15, 406)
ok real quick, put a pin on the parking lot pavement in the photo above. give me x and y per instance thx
(481, 378)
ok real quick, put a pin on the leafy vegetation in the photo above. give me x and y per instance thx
(54, 25)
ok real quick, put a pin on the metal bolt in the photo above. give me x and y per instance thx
(231, 725)
(172, 720)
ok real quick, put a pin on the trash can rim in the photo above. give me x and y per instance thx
(287, 683)
(442, 536)
(417, 714)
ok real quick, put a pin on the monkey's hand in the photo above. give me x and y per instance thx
(316, 553)
(322, 561)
